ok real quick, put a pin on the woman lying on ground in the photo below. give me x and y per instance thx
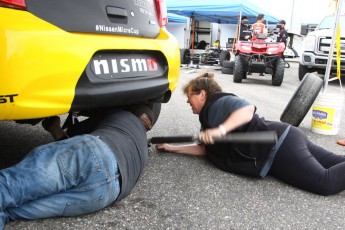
(293, 159)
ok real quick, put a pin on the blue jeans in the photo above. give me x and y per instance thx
(66, 178)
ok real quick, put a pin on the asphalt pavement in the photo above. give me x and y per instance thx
(187, 192)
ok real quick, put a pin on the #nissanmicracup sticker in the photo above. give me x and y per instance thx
(116, 29)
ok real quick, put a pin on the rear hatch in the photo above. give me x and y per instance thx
(125, 17)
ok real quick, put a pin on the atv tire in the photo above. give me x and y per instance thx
(238, 69)
(302, 100)
(278, 72)
(302, 71)
(224, 56)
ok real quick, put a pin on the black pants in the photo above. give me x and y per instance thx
(301, 163)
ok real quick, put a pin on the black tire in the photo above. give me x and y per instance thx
(227, 70)
(302, 100)
(229, 64)
(185, 56)
(196, 59)
(302, 71)
(238, 69)
(278, 72)
(224, 56)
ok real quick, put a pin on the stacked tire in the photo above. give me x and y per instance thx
(224, 56)
(228, 67)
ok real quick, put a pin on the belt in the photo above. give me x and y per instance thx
(269, 161)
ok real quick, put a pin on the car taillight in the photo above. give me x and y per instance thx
(17, 4)
(162, 12)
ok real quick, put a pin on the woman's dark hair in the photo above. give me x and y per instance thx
(203, 81)
(282, 22)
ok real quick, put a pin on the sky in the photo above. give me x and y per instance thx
(297, 12)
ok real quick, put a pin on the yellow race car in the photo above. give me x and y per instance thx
(69, 56)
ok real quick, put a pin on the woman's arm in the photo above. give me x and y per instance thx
(192, 149)
(239, 117)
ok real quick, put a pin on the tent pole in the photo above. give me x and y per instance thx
(331, 50)
(193, 33)
(240, 24)
(237, 33)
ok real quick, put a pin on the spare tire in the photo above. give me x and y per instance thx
(302, 100)
(224, 56)
(227, 70)
(228, 64)
(185, 56)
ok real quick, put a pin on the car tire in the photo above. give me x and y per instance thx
(302, 100)
(238, 69)
(228, 64)
(185, 56)
(302, 71)
(227, 70)
(278, 72)
(224, 56)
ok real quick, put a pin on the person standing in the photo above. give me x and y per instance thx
(244, 29)
(94, 164)
(293, 159)
(282, 34)
(258, 27)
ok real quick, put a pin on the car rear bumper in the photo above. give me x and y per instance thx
(43, 66)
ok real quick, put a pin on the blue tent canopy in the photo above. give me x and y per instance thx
(176, 18)
(218, 11)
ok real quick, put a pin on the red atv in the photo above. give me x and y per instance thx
(259, 57)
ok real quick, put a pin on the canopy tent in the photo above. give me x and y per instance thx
(176, 18)
(218, 11)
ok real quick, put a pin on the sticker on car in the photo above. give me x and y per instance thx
(108, 66)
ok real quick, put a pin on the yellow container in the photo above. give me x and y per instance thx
(326, 114)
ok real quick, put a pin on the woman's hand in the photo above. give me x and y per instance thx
(206, 137)
(163, 147)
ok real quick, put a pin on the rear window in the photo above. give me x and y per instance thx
(131, 18)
